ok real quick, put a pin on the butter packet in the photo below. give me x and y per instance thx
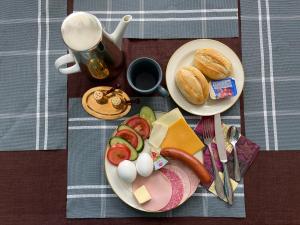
(220, 89)
(158, 161)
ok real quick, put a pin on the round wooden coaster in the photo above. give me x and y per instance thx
(109, 106)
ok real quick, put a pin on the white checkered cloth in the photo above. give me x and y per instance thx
(167, 19)
(33, 94)
(270, 44)
(90, 196)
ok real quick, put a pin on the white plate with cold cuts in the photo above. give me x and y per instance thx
(183, 56)
(169, 187)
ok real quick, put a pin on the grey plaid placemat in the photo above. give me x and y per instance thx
(33, 94)
(167, 18)
(270, 43)
(88, 193)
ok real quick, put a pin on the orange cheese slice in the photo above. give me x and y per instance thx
(181, 136)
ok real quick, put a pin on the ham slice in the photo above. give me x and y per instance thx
(159, 188)
(177, 189)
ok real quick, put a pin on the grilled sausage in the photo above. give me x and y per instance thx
(190, 161)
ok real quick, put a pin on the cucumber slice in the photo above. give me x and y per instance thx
(118, 140)
(148, 114)
(140, 145)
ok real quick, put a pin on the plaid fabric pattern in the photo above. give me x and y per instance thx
(167, 19)
(33, 94)
(270, 43)
(90, 196)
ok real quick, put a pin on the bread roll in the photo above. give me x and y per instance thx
(192, 84)
(212, 63)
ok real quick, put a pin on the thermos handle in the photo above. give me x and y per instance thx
(63, 60)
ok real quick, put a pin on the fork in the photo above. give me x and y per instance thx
(208, 134)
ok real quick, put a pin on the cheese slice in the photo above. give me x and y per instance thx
(170, 117)
(158, 133)
(181, 136)
(161, 126)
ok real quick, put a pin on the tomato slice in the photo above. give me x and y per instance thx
(140, 125)
(117, 153)
(128, 136)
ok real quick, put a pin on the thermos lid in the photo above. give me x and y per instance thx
(81, 31)
(106, 103)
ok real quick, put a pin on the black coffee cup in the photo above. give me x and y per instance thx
(144, 75)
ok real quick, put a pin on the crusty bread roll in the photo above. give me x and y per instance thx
(192, 84)
(212, 63)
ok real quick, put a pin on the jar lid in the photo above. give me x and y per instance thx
(103, 103)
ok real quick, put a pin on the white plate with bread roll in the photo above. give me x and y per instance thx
(190, 69)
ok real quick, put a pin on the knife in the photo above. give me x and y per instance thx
(223, 157)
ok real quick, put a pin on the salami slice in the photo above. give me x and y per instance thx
(177, 189)
(194, 180)
(159, 188)
(184, 178)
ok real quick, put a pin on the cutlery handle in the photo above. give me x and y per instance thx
(218, 180)
(227, 185)
(237, 172)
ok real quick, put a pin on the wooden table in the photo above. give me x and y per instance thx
(33, 184)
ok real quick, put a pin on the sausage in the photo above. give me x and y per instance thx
(190, 161)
